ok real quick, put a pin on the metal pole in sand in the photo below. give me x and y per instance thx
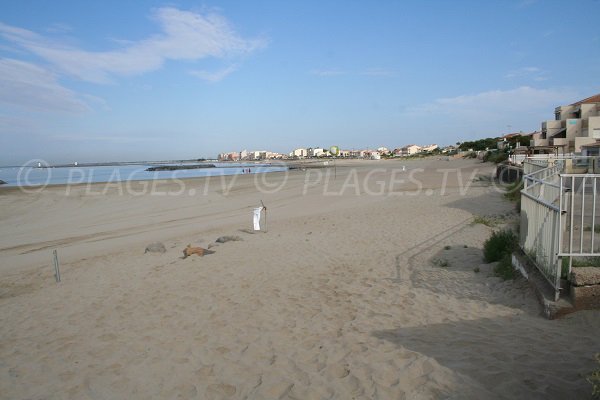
(265, 208)
(56, 267)
(334, 169)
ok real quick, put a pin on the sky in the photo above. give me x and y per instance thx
(148, 80)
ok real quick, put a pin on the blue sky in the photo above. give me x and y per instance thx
(125, 80)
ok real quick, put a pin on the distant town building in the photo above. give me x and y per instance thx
(358, 153)
(233, 156)
(429, 147)
(300, 153)
(407, 150)
(315, 152)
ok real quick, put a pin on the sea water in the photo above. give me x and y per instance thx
(34, 176)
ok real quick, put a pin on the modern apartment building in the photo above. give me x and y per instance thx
(574, 126)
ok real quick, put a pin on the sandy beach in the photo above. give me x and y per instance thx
(338, 299)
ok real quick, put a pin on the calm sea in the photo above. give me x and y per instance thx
(32, 176)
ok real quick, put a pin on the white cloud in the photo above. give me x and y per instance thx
(59, 28)
(214, 76)
(484, 114)
(535, 73)
(185, 36)
(522, 100)
(33, 88)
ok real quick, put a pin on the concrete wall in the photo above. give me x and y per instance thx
(589, 110)
(579, 141)
(551, 127)
(560, 142)
(566, 112)
(594, 127)
(574, 128)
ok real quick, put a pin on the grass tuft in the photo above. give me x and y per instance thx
(578, 262)
(513, 192)
(487, 221)
(500, 243)
(499, 247)
(504, 268)
(589, 228)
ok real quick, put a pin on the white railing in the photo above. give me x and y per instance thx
(540, 222)
(580, 236)
(531, 165)
(559, 216)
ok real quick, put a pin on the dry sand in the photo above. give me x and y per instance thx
(339, 299)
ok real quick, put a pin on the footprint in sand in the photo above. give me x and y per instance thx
(338, 371)
(205, 372)
(219, 390)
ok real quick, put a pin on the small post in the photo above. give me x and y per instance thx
(56, 267)
(265, 208)
(334, 169)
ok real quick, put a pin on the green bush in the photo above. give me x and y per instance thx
(504, 268)
(497, 157)
(500, 243)
(484, 220)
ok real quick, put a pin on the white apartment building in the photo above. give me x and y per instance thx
(409, 150)
(574, 126)
(316, 152)
(300, 153)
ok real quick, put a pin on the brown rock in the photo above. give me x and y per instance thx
(189, 250)
(584, 276)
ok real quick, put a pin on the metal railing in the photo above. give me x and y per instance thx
(540, 221)
(559, 216)
(581, 236)
(531, 165)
